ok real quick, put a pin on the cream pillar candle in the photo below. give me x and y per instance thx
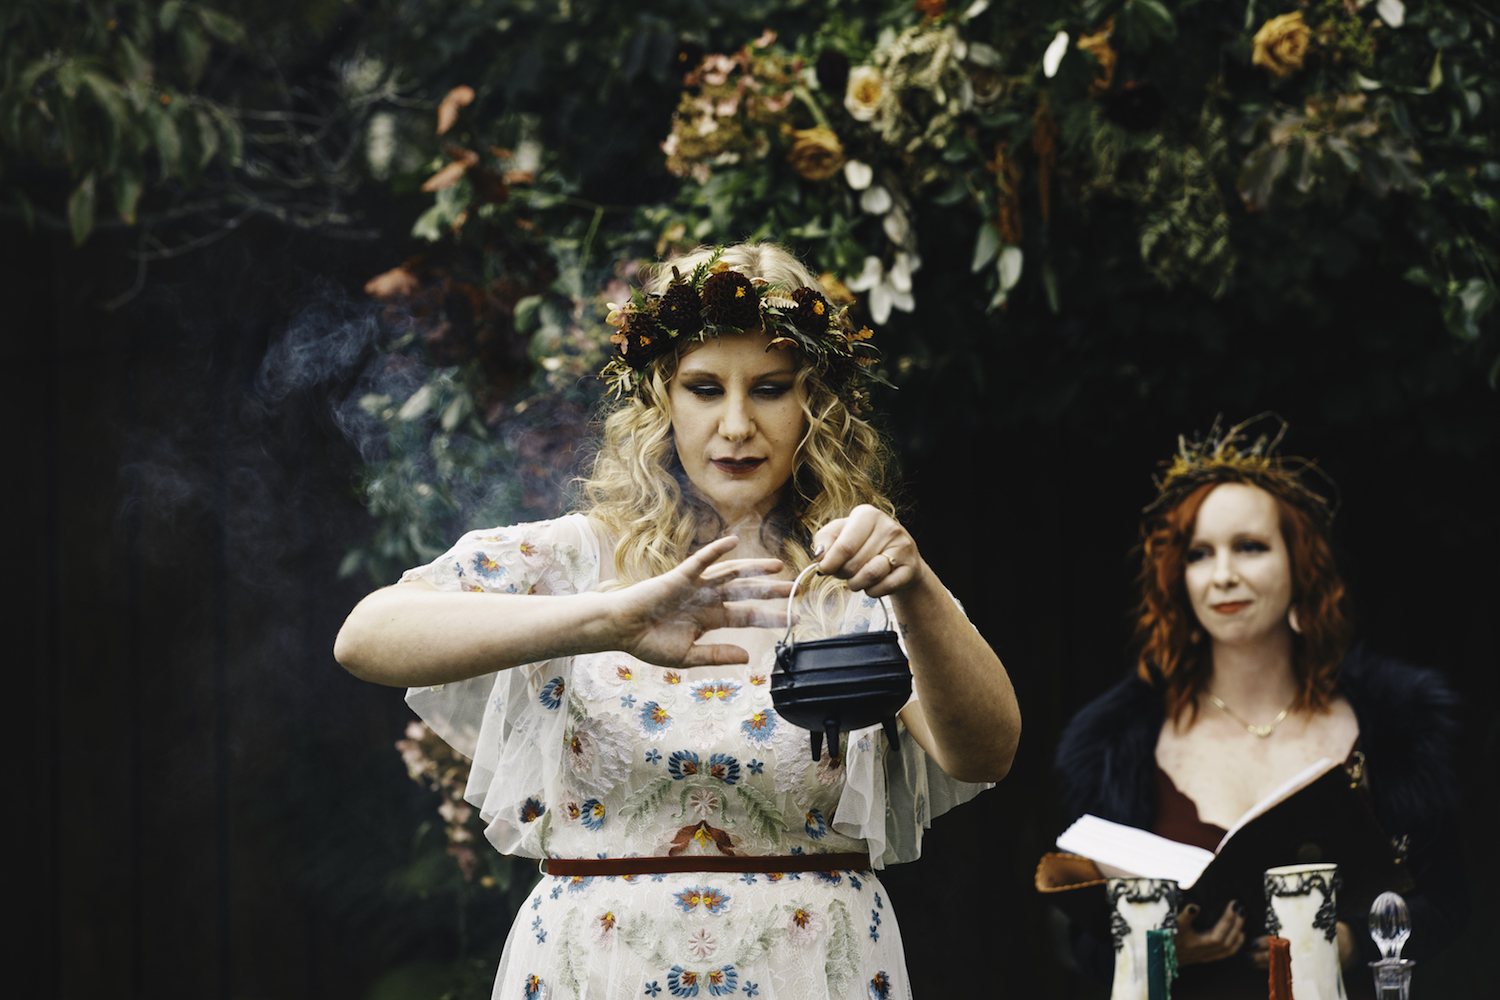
(1300, 906)
(1137, 905)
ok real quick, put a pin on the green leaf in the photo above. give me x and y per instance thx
(208, 136)
(194, 48)
(129, 181)
(221, 26)
(229, 132)
(1096, 12)
(986, 245)
(69, 79)
(167, 16)
(28, 212)
(1435, 75)
(134, 66)
(168, 142)
(106, 94)
(1156, 19)
(81, 210)
(30, 75)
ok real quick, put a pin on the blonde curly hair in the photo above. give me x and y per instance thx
(639, 493)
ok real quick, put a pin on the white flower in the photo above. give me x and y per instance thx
(1392, 12)
(1053, 57)
(858, 174)
(597, 752)
(876, 200)
(896, 225)
(887, 289)
(862, 96)
(703, 802)
(606, 927)
(803, 926)
(702, 943)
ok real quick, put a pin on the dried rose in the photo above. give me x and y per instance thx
(863, 95)
(1281, 44)
(681, 309)
(816, 153)
(811, 313)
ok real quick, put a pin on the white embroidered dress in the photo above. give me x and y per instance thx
(606, 756)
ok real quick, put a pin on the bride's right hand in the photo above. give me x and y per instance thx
(660, 620)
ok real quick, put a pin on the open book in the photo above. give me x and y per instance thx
(1316, 816)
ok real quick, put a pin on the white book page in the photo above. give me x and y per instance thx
(1121, 850)
(1285, 790)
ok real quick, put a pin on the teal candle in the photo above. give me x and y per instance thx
(1161, 964)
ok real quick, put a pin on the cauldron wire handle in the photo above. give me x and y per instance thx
(786, 639)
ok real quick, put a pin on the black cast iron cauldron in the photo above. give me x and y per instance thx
(838, 685)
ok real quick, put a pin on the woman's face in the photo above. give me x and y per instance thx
(737, 421)
(1239, 574)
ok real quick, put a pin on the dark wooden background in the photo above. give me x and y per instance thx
(210, 808)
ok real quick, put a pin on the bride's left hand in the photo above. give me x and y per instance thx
(871, 550)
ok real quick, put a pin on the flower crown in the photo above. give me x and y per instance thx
(1230, 456)
(715, 300)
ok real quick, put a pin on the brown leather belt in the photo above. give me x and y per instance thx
(752, 863)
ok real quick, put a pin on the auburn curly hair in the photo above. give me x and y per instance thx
(1165, 623)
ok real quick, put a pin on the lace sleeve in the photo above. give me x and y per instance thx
(500, 720)
(890, 799)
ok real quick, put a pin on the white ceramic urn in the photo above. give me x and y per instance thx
(1300, 906)
(1137, 905)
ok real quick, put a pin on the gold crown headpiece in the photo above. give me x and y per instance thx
(715, 300)
(1231, 456)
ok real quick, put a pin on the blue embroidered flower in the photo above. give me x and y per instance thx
(874, 933)
(854, 881)
(878, 902)
(652, 988)
(536, 901)
(487, 567)
(682, 983)
(798, 850)
(557, 890)
(653, 756)
(536, 924)
(875, 916)
(752, 989)
(880, 986)
(760, 727)
(724, 767)
(534, 986)
(531, 809)
(682, 763)
(578, 883)
(722, 981)
(748, 878)
(541, 937)
(592, 815)
(654, 718)
(552, 693)
(828, 878)
(712, 900)
(816, 828)
(756, 766)
(722, 691)
(658, 876)
(627, 701)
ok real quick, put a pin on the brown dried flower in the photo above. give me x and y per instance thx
(1281, 44)
(1097, 45)
(730, 300)
(816, 153)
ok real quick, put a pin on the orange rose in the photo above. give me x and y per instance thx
(1281, 44)
(816, 153)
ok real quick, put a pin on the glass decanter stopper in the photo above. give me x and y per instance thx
(1390, 924)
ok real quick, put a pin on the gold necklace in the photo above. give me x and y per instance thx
(1259, 731)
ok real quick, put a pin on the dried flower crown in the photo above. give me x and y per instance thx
(714, 300)
(1231, 456)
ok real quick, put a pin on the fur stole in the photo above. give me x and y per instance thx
(1408, 729)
